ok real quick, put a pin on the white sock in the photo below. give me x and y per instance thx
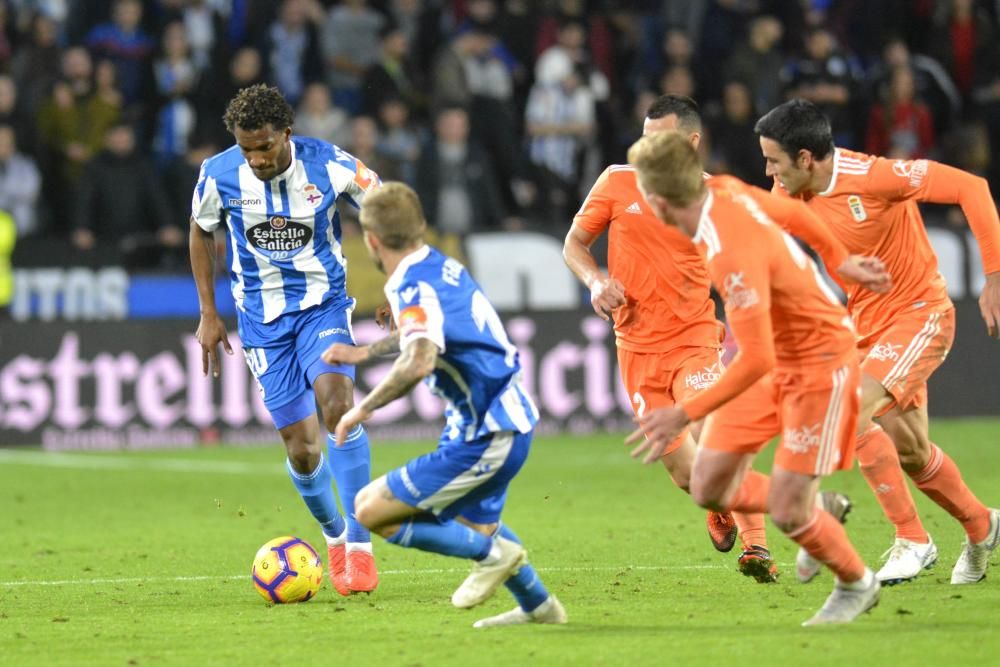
(336, 541)
(861, 584)
(359, 546)
(493, 556)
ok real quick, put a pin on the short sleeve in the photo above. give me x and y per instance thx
(206, 205)
(351, 177)
(418, 314)
(597, 209)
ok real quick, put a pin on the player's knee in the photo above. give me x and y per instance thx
(706, 495)
(914, 459)
(333, 409)
(366, 513)
(789, 518)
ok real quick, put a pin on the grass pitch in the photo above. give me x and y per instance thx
(143, 558)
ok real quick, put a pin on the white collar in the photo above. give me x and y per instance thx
(418, 255)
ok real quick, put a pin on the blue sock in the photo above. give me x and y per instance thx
(449, 538)
(352, 468)
(525, 585)
(317, 490)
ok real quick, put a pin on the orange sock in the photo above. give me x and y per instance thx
(943, 483)
(824, 538)
(751, 528)
(751, 496)
(880, 467)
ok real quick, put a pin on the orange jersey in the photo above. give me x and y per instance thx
(871, 207)
(665, 279)
(776, 301)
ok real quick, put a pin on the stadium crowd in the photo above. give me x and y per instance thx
(498, 112)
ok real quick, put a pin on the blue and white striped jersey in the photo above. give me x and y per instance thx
(477, 371)
(283, 244)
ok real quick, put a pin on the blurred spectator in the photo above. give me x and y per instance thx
(962, 41)
(757, 61)
(292, 50)
(245, 69)
(933, 85)
(36, 63)
(600, 41)
(559, 123)
(392, 77)
(455, 179)
(181, 175)
(900, 126)
(204, 28)
(16, 115)
(735, 149)
(121, 202)
(317, 117)
(350, 47)
(176, 79)
(399, 141)
(827, 78)
(678, 80)
(571, 44)
(20, 183)
(124, 42)
(364, 145)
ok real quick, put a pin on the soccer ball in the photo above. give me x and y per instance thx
(287, 569)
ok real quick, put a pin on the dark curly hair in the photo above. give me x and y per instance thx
(255, 107)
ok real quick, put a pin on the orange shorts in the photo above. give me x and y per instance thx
(815, 413)
(659, 380)
(904, 355)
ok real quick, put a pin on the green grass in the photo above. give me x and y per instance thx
(154, 552)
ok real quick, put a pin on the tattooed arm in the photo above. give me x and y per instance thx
(414, 364)
(338, 353)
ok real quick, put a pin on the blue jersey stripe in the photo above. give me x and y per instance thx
(229, 182)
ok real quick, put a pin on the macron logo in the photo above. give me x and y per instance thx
(634, 208)
(337, 331)
(408, 294)
(240, 203)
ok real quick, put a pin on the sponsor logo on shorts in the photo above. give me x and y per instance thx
(801, 440)
(336, 331)
(738, 295)
(885, 352)
(702, 379)
(857, 209)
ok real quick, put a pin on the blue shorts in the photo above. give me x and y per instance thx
(284, 356)
(467, 479)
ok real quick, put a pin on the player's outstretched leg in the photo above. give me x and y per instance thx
(839, 506)
(941, 480)
(748, 504)
(913, 550)
(317, 491)
(351, 466)
(534, 603)
(495, 559)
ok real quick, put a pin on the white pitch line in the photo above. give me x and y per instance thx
(450, 570)
(102, 462)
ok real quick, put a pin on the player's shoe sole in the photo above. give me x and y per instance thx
(337, 568)
(362, 575)
(550, 612)
(756, 562)
(722, 530)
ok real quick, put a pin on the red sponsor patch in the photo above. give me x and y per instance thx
(364, 177)
(412, 320)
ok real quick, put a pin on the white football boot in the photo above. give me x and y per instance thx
(551, 611)
(837, 504)
(506, 558)
(971, 565)
(848, 601)
(906, 560)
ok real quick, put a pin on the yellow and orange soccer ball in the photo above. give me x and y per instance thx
(287, 569)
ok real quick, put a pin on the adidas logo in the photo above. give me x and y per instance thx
(633, 208)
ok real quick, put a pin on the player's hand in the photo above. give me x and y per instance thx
(211, 332)
(383, 317)
(351, 418)
(351, 355)
(869, 272)
(989, 304)
(606, 294)
(657, 429)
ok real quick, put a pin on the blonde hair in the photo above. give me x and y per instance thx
(393, 214)
(668, 165)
